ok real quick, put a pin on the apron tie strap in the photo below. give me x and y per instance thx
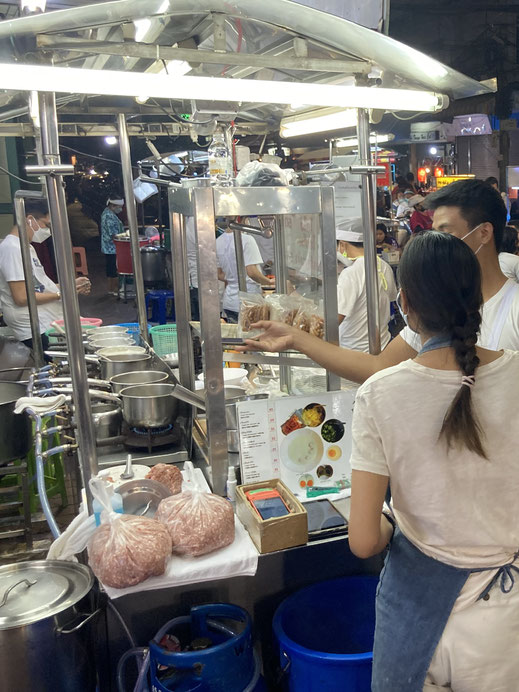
(506, 577)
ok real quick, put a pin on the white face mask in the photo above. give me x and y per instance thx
(40, 235)
(117, 210)
(472, 231)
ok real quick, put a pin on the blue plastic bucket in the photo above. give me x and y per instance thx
(325, 636)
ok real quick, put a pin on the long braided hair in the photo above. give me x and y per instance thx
(441, 279)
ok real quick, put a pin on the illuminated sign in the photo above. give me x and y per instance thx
(448, 179)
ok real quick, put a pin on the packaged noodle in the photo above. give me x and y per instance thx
(253, 308)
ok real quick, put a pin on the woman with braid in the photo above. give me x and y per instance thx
(447, 608)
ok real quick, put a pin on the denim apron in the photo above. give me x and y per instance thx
(415, 597)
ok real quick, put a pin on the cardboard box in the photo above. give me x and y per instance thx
(277, 533)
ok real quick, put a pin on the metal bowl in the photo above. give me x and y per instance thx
(107, 328)
(115, 341)
(142, 497)
(114, 351)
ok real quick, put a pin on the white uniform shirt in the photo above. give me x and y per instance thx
(352, 303)
(509, 265)
(227, 262)
(509, 335)
(453, 505)
(403, 210)
(11, 269)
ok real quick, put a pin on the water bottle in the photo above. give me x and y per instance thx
(220, 160)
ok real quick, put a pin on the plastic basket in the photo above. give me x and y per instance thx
(85, 322)
(164, 339)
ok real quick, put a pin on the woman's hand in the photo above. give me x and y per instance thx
(275, 338)
(83, 285)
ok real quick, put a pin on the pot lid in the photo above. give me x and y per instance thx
(32, 591)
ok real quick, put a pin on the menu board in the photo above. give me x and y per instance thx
(304, 440)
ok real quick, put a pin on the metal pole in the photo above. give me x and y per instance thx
(240, 261)
(65, 262)
(19, 210)
(280, 270)
(369, 215)
(131, 211)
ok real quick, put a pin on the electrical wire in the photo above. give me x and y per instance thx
(398, 117)
(29, 182)
(92, 156)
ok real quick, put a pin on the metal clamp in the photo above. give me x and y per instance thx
(62, 630)
(22, 581)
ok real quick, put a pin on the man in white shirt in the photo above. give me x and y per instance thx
(228, 271)
(404, 209)
(474, 212)
(13, 295)
(351, 291)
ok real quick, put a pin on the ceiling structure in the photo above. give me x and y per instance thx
(276, 40)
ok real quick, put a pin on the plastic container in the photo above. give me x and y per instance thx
(164, 339)
(325, 635)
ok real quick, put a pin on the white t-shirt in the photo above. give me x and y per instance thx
(453, 505)
(509, 337)
(352, 303)
(11, 269)
(227, 262)
(509, 265)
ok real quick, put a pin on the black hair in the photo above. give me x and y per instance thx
(36, 207)
(400, 181)
(381, 227)
(410, 177)
(477, 201)
(441, 279)
(491, 180)
(509, 241)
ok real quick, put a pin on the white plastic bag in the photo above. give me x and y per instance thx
(198, 522)
(258, 174)
(126, 549)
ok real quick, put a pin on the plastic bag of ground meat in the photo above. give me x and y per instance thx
(167, 474)
(125, 550)
(198, 522)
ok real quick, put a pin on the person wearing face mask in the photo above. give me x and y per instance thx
(472, 211)
(447, 607)
(420, 220)
(13, 295)
(351, 290)
(111, 225)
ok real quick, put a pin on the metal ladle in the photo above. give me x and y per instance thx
(128, 473)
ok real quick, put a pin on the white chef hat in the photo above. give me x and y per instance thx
(350, 231)
(117, 202)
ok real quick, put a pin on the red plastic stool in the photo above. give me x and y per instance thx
(80, 261)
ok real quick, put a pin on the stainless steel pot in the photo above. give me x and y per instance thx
(127, 379)
(155, 405)
(115, 365)
(107, 335)
(15, 428)
(98, 344)
(46, 643)
(153, 260)
(105, 329)
(120, 351)
(107, 419)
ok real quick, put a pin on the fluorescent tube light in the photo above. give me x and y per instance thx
(354, 142)
(318, 121)
(142, 26)
(72, 80)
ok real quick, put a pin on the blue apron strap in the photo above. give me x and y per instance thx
(415, 598)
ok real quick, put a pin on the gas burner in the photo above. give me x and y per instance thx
(154, 432)
(151, 438)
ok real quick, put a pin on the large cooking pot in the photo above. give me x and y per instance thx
(127, 379)
(155, 405)
(46, 642)
(15, 428)
(115, 365)
(153, 260)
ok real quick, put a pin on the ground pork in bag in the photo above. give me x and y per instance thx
(128, 550)
(198, 523)
(168, 475)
